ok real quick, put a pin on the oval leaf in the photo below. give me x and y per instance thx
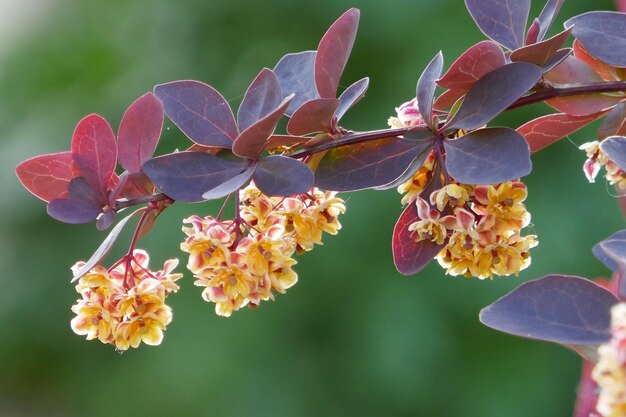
(556, 308)
(425, 90)
(493, 93)
(252, 141)
(612, 251)
(139, 133)
(186, 176)
(615, 148)
(477, 61)
(94, 151)
(504, 21)
(47, 176)
(73, 211)
(296, 74)
(410, 256)
(333, 52)
(199, 111)
(104, 247)
(313, 116)
(593, 29)
(542, 52)
(351, 96)
(488, 156)
(281, 176)
(547, 16)
(614, 124)
(262, 98)
(367, 164)
(546, 130)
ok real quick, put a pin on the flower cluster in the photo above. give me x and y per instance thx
(244, 261)
(597, 159)
(479, 226)
(126, 305)
(610, 371)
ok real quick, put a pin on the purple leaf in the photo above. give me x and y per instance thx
(47, 176)
(547, 15)
(412, 168)
(504, 21)
(199, 111)
(351, 96)
(73, 210)
(615, 148)
(231, 185)
(614, 124)
(139, 132)
(262, 98)
(104, 247)
(410, 256)
(477, 61)
(186, 176)
(94, 151)
(313, 116)
(251, 142)
(282, 176)
(105, 220)
(556, 308)
(603, 34)
(366, 164)
(558, 57)
(80, 189)
(493, 93)
(612, 251)
(488, 156)
(333, 52)
(542, 52)
(296, 74)
(533, 33)
(425, 90)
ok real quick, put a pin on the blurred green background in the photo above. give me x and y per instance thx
(353, 337)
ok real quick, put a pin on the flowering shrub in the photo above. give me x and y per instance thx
(460, 180)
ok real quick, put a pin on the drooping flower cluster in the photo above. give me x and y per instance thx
(243, 262)
(610, 371)
(479, 226)
(126, 305)
(596, 159)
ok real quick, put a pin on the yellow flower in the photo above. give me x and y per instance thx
(429, 227)
(453, 194)
(208, 242)
(610, 371)
(413, 187)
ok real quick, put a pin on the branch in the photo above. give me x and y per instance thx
(552, 92)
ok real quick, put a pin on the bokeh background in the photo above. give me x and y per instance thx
(353, 337)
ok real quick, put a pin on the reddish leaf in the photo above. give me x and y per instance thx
(533, 33)
(262, 98)
(547, 16)
(351, 96)
(104, 248)
(571, 71)
(425, 90)
(493, 93)
(333, 52)
(504, 21)
(367, 164)
(448, 98)
(94, 151)
(410, 256)
(606, 71)
(488, 156)
(558, 57)
(282, 176)
(252, 141)
(313, 116)
(47, 176)
(556, 308)
(545, 130)
(199, 111)
(296, 74)
(614, 124)
(186, 176)
(477, 61)
(603, 34)
(139, 132)
(540, 53)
